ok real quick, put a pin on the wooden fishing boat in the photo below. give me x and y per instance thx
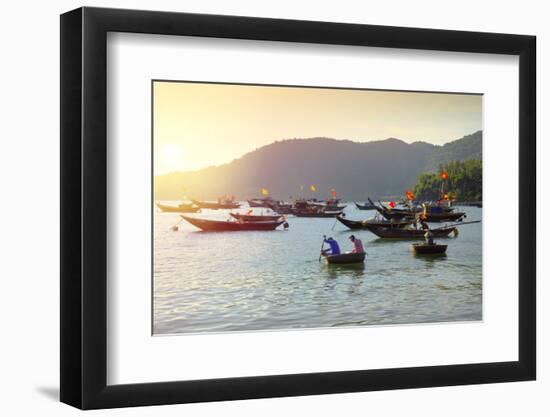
(435, 217)
(255, 217)
(181, 208)
(395, 213)
(346, 258)
(427, 249)
(266, 202)
(366, 206)
(430, 213)
(411, 233)
(216, 205)
(332, 204)
(316, 213)
(281, 207)
(304, 208)
(367, 224)
(231, 226)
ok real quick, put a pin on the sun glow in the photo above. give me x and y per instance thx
(171, 158)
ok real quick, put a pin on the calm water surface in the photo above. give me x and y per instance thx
(234, 281)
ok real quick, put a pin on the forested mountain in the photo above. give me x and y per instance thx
(469, 147)
(355, 169)
(465, 182)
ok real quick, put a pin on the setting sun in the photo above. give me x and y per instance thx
(170, 158)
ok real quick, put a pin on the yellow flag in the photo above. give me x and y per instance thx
(264, 191)
(313, 188)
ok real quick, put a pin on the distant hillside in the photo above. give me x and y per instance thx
(354, 169)
(469, 147)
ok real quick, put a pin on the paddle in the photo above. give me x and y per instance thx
(322, 246)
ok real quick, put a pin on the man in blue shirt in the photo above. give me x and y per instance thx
(334, 247)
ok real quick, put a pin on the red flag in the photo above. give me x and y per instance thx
(392, 204)
(410, 195)
(443, 175)
(333, 192)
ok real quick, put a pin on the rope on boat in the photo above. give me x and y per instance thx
(175, 227)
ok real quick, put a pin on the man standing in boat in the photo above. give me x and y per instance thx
(334, 247)
(357, 244)
(428, 235)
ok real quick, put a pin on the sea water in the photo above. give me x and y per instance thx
(244, 281)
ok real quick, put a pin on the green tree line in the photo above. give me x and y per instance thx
(465, 182)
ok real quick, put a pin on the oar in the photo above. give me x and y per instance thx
(457, 224)
(322, 246)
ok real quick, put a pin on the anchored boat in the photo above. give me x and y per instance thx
(181, 208)
(367, 224)
(255, 217)
(366, 206)
(429, 212)
(317, 213)
(216, 205)
(410, 233)
(265, 202)
(231, 226)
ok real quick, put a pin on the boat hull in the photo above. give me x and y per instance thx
(186, 208)
(444, 217)
(366, 225)
(365, 206)
(261, 203)
(231, 226)
(428, 217)
(447, 214)
(346, 258)
(215, 206)
(426, 249)
(253, 218)
(404, 233)
(316, 214)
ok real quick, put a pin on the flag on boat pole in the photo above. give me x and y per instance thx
(313, 188)
(264, 191)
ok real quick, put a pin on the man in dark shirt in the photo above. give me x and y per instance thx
(334, 247)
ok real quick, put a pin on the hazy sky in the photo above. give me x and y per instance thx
(198, 125)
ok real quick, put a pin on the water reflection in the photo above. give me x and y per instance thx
(429, 258)
(334, 271)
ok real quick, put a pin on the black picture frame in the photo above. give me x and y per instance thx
(84, 207)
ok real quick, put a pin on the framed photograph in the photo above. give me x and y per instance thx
(257, 208)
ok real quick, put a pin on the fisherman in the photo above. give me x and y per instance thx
(428, 235)
(358, 245)
(334, 247)
(423, 225)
